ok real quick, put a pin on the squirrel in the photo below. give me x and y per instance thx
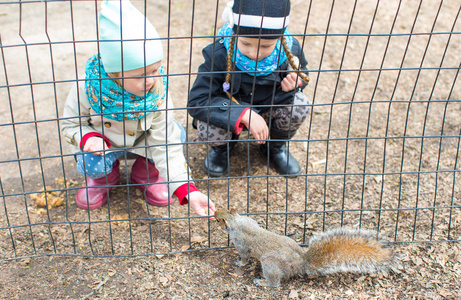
(335, 250)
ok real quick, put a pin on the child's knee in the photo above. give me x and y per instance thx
(210, 133)
(299, 112)
(301, 106)
(300, 99)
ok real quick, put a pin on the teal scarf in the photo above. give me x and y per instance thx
(108, 98)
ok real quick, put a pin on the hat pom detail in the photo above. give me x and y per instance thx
(227, 14)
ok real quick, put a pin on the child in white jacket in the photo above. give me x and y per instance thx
(122, 107)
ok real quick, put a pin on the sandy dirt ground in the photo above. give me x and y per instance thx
(380, 150)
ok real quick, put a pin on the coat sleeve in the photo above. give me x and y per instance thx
(207, 100)
(166, 148)
(75, 123)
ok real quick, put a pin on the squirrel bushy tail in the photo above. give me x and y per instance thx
(348, 250)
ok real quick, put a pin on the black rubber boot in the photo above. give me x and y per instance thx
(283, 161)
(216, 161)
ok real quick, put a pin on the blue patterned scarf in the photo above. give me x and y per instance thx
(108, 98)
(263, 67)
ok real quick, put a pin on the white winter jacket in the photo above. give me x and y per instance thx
(156, 136)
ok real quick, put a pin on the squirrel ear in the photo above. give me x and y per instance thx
(233, 211)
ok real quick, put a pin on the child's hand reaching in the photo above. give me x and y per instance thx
(95, 144)
(199, 203)
(256, 125)
(291, 81)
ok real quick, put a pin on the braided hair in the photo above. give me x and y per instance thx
(291, 60)
(230, 55)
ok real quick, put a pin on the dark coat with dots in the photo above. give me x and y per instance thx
(209, 103)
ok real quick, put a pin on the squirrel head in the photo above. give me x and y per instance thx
(223, 216)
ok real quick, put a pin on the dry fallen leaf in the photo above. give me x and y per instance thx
(163, 280)
(120, 217)
(52, 199)
(442, 259)
(232, 274)
(68, 181)
(293, 294)
(24, 262)
(37, 211)
(198, 239)
(319, 162)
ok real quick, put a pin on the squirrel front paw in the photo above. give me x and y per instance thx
(260, 281)
(240, 263)
(264, 282)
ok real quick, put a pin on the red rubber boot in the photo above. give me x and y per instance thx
(148, 180)
(94, 194)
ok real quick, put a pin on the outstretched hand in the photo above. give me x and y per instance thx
(199, 203)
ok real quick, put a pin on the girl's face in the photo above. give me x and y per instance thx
(139, 81)
(256, 49)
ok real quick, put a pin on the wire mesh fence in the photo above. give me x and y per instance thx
(379, 149)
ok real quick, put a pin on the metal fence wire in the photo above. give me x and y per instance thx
(379, 149)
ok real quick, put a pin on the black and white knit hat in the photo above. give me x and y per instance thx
(265, 18)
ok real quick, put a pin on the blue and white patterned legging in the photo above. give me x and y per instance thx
(97, 166)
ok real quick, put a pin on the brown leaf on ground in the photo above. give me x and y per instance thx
(197, 239)
(50, 199)
(120, 217)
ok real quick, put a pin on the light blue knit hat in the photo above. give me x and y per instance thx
(120, 20)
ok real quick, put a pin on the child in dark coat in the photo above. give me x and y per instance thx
(250, 79)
